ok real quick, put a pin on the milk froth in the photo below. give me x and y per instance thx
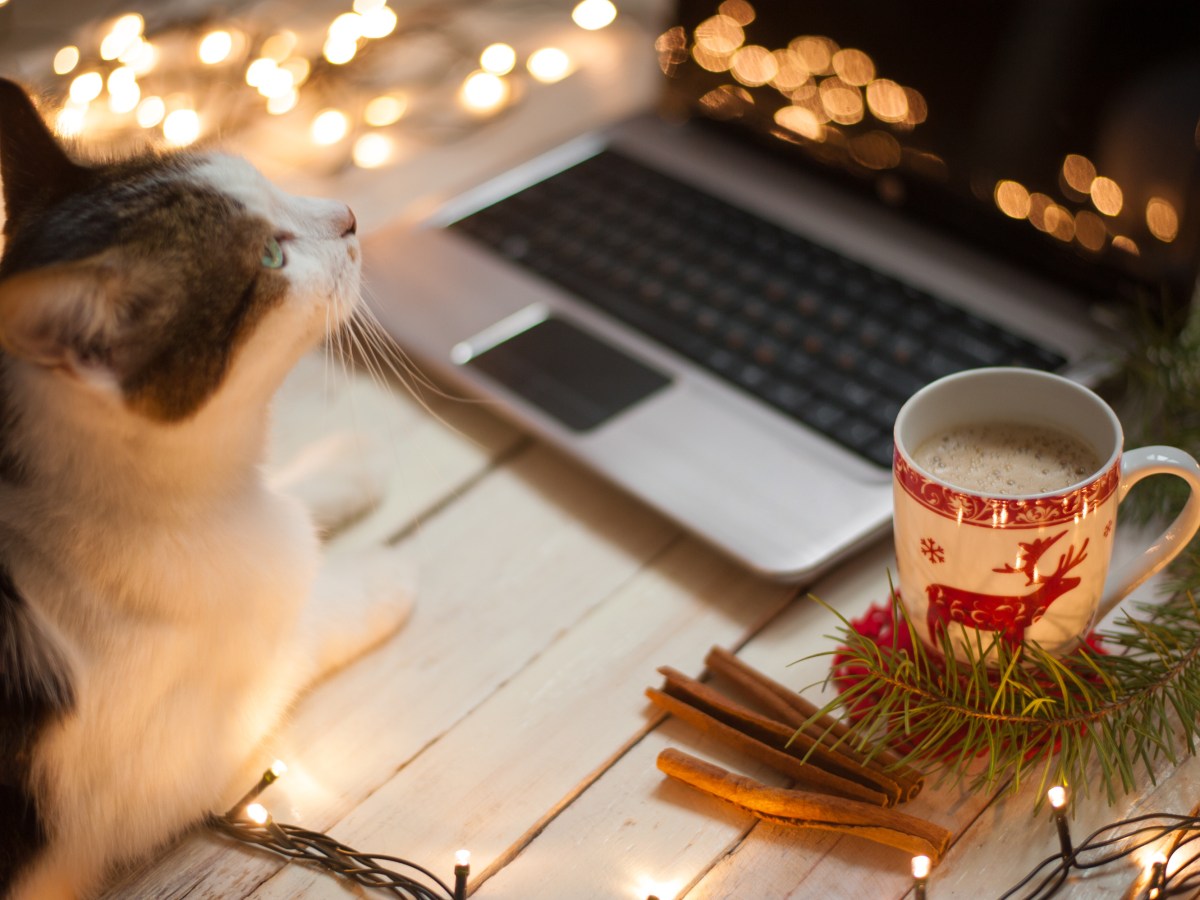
(1007, 458)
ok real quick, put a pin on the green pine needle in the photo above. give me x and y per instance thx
(1032, 715)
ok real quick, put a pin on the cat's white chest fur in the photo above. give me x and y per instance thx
(185, 673)
(162, 605)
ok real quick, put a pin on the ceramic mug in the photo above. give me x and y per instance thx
(1023, 567)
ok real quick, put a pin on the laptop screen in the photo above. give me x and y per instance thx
(1062, 134)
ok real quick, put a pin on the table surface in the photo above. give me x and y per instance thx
(508, 716)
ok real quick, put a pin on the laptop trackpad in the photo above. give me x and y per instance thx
(568, 373)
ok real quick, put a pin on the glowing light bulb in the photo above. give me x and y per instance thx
(123, 90)
(279, 767)
(372, 150)
(277, 83)
(549, 65)
(385, 110)
(498, 59)
(86, 87)
(483, 92)
(339, 51)
(259, 71)
(279, 46)
(124, 31)
(66, 59)
(462, 857)
(593, 15)
(329, 126)
(1057, 796)
(378, 22)
(347, 26)
(141, 56)
(653, 887)
(279, 104)
(257, 813)
(920, 867)
(71, 119)
(215, 47)
(300, 69)
(151, 111)
(181, 127)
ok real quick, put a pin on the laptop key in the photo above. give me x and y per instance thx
(820, 337)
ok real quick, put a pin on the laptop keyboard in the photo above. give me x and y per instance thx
(820, 337)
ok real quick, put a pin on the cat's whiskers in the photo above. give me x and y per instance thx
(387, 363)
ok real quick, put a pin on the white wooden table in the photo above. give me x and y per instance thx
(508, 716)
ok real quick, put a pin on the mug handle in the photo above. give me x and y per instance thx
(1136, 465)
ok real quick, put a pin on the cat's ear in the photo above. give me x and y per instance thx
(35, 168)
(63, 316)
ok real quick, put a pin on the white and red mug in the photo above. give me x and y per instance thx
(1024, 567)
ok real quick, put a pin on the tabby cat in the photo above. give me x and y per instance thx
(157, 608)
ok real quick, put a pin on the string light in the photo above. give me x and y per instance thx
(1057, 796)
(920, 873)
(1158, 871)
(181, 127)
(1118, 841)
(483, 92)
(86, 87)
(257, 813)
(215, 47)
(372, 150)
(123, 90)
(593, 15)
(498, 59)
(329, 126)
(70, 119)
(549, 65)
(385, 110)
(124, 61)
(378, 22)
(66, 59)
(151, 111)
(125, 31)
(250, 823)
(462, 869)
(279, 104)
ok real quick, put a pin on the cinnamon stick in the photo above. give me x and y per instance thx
(794, 710)
(807, 810)
(807, 775)
(777, 735)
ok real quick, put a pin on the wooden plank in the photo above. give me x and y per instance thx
(503, 572)
(665, 832)
(370, 456)
(493, 781)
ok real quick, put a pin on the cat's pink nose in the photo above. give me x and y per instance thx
(351, 223)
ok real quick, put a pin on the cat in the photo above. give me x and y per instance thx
(158, 608)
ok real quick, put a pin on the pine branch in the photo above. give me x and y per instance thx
(1028, 714)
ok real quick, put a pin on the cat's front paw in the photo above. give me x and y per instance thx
(339, 478)
(361, 598)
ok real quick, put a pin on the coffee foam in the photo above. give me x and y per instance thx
(1007, 458)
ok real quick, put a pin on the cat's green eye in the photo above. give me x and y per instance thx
(272, 257)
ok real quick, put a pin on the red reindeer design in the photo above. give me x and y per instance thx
(1009, 614)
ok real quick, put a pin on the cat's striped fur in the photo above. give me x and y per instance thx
(153, 591)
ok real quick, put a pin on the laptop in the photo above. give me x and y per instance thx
(721, 303)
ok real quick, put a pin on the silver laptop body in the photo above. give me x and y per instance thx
(777, 496)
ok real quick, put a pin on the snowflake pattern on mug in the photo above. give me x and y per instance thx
(931, 549)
